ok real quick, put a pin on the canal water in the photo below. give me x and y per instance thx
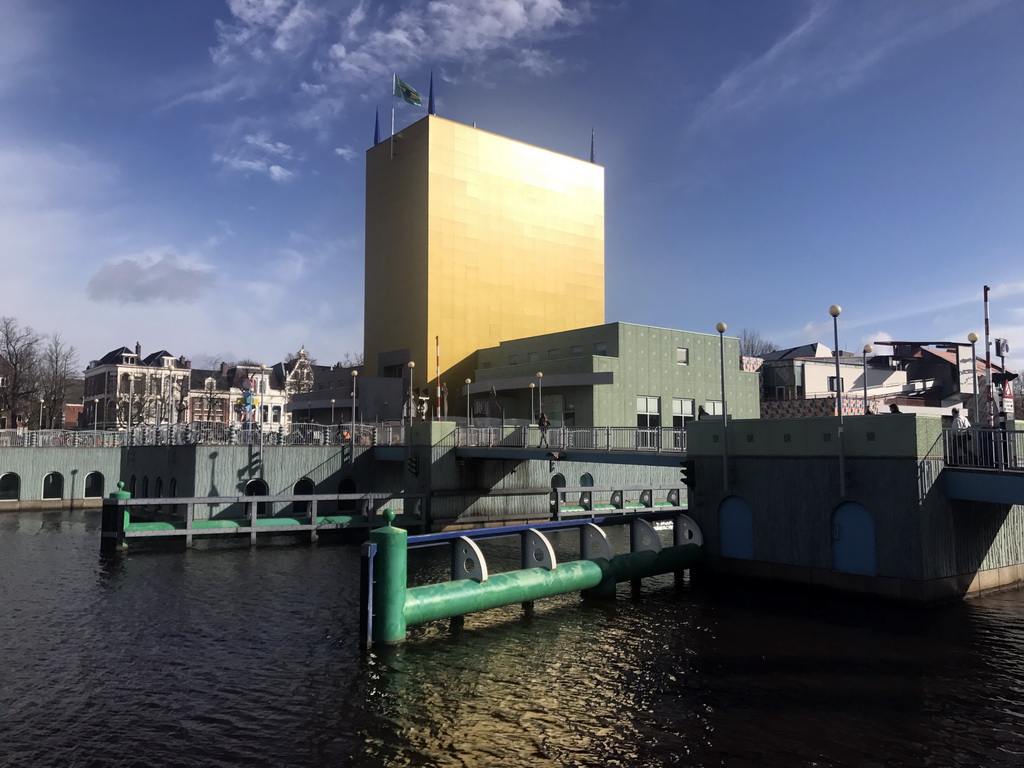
(229, 656)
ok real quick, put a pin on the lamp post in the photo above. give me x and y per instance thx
(835, 310)
(540, 392)
(469, 415)
(95, 413)
(410, 365)
(332, 410)
(355, 376)
(973, 338)
(41, 401)
(533, 411)
(868, 349)
(721, 328)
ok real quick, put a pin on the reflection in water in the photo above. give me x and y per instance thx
(224, 656)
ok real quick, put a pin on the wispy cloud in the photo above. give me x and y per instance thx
(258, 153)
(833, 48)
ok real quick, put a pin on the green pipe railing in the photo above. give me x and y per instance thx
(390, 606)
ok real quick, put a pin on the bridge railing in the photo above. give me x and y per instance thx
(656, 439)
(984, 448)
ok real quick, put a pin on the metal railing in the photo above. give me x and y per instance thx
(980, 448)
(655, 440)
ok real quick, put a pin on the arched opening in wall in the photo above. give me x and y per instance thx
(94, 485)
(53, 486)
(557, 481)
(853, 540)
(131, 486)
(586, 480)
(174, 487)
(306, 487)
(736, 528)
(10, 487)
(158, 489)
(257, 488)
(348, 506)
(145, 486)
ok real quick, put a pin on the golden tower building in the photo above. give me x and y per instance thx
(474, 239)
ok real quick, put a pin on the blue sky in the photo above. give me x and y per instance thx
(190, 174)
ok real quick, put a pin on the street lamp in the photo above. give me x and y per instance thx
(540, 392)
(721, 328)
(95, 413)
(868, 349)
(973, 338)
(533, 412)
(835, 310)
(41, 401)
(355, 375)
(332, 410)
(410, 365)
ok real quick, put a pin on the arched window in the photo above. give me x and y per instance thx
(53, 486)
(304, 486)
(145, 486)
(586, 480)
(258, 488)
(10, 487)
(348, 485)
(159, 488)
(94, 485)
(558, 481)
(131, 486)
(174, 487)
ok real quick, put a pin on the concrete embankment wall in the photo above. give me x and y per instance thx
(891, 533)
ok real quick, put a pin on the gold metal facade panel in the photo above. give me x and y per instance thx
(507, 241)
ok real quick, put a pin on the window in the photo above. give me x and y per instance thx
(554, 354)
(53, 486)
(513, 359)
(682, 409)
(713, 407)
(600, 348)
(487, 364)
(648, 412)
(576, 351)
(93, 485)
(10, 487)
(533, 357)
(832, 384)
(682, 356)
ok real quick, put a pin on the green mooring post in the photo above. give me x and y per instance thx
(389, 581)
(114, 521)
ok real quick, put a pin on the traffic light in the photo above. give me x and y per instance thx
(414, 465)
(687, 476)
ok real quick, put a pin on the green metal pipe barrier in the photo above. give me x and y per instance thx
(455, 598)
(395, 606)
(389, 582)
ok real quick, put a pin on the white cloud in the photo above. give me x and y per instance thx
(835, 47)
(258, 153)
(157, 275)
(346, 153)
(279, 174)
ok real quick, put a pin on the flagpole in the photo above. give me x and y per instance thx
(437, 346)
(394, 83)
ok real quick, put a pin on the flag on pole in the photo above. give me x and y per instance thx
(406, 92)
(376, 128)
(430, 98)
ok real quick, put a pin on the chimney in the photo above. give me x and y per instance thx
(138, 350)
(224, 369)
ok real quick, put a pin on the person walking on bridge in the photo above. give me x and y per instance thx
(961, 436)
(543, 424)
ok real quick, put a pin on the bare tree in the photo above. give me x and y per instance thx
(1018, 397)
(19, 377)
(58, 368)
(752, 344)
(351, 360)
